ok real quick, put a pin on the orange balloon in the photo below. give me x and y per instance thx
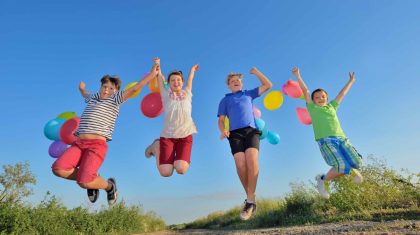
(153, 85)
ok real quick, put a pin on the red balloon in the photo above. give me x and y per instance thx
(151, 105)
(67, 130)
(292, 89)
(303, 116)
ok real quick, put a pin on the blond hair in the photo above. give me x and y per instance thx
(231, 75)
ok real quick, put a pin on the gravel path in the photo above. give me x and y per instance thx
(353, 227)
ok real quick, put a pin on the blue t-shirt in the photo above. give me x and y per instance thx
(238, 108)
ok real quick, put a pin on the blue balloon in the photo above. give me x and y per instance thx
(273, 137)
(264, 134)
(260, 124)
(52, 128)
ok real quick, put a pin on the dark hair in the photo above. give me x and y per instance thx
(318, 90)
(112, 79)
(175, 72)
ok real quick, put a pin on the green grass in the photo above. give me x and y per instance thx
(51, 217)
(384, 195)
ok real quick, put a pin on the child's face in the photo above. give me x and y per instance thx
(176, 83)
(320, 98)
(107, 89)
(235, 84)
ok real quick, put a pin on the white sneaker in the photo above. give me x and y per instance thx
(248, 210)
(357, 177)
(320, 184)
(148, 152)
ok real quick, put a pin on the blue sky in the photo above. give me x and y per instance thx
(48, 47)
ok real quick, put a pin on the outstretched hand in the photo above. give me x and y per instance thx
(352, 77)
(195, 67)
(296, 72)
(82, 86)
(253, 70)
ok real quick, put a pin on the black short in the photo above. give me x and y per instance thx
(243, 138)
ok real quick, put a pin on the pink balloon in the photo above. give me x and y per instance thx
(292, 89)
(151, 105)
(283, 89)
(67, 130)
(303, 116)
(257, 112)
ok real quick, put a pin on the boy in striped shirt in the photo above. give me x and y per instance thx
(83, 159)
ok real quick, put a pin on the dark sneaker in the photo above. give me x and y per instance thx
(248, 210)
(148, 152)
(93, 195)
(112, 194)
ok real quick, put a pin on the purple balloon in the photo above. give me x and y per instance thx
(57, 148)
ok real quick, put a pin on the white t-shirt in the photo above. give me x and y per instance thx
(178, 122)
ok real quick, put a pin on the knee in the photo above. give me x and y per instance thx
(59, 173)
(84, 185)
(181, 170)
(165, 172)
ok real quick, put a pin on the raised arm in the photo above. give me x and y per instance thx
(346, 88)
(265, 83)
(191, 77)
(153, 73)
(82, 89)
(302, 85)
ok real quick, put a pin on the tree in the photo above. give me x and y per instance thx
(15, 181)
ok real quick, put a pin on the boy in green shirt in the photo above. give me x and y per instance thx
(335, 147)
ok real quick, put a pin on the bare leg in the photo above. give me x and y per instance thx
(70, 174)
(332, 174)
(251, 156)
(240, 163)
(97, 183)
(181, 166)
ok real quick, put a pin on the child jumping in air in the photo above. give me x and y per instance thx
(335, 147)
(173, 149)
(81, 162)
(243, 135)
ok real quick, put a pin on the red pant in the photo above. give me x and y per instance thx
(172, 149)
(87, 154)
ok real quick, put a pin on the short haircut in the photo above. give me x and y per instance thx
(231, 75)
(175, 72)
(318, 90)
(112, 79)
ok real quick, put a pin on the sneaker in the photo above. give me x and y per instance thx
(322, 186)
(112, 194)
(148, 152)
(93, 194)
(248, 210)
(357, 177)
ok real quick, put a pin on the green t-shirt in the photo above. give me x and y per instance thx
(324, 120)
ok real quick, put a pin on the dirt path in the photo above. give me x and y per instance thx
(353, 227)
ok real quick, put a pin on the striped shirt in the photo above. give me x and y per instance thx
(100, 114)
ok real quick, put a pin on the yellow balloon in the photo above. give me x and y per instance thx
(67, 115)
(226, 123)
(273, 100)
(129, 86)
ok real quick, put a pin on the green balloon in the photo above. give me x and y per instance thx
(67, 115)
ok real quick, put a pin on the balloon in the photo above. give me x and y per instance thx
(166, 85)
(57, 148)
(151, 105)
(303, 116)
(264, 133)
(153, 85)
(66, 115)
(273, 100)
(260, 124)
(292, 89)
(257, 112)
(128, 86)
(52, 128)
(273, 137)
(67, 130)
(226, 123)
(283, 89)
(302, 97)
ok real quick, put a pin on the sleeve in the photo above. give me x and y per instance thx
(334, 104)
(222, 108)
(91, 96)
(119, 98)
(253, 93)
